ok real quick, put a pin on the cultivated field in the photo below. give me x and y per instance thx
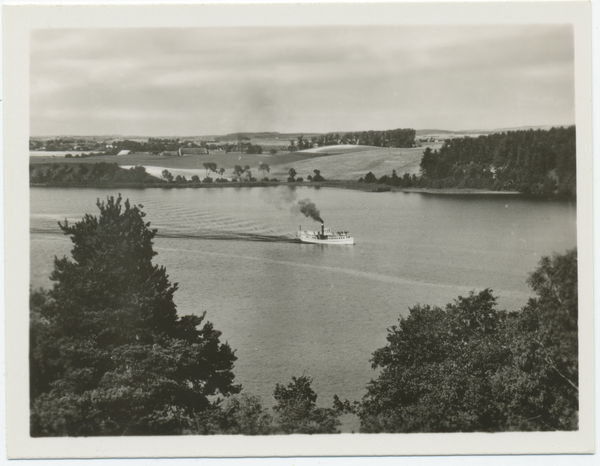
(344, 162)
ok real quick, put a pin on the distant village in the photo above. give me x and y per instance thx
(164, 147)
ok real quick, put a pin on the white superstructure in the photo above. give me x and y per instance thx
(324, 236)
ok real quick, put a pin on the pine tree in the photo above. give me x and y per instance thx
(109, 354)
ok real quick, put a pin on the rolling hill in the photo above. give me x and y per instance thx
(351, 163)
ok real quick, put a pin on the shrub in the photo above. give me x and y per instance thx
(318, 176)
(370, 178)
(297, 412)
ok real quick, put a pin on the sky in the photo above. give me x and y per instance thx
(214, 81)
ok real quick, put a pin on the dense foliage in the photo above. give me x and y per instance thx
(470, 367)
(296, 412)
(88, 173)
(389, 138)
(536, 162)
(406, 181)
(532, 162)
(109, 355)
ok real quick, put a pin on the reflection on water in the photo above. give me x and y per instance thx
(290, 308)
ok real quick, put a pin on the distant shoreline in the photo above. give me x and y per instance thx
(342, 184)
(458, 191)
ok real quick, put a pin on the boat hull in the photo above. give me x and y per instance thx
(307, 239)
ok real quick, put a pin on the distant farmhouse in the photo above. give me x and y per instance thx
(169, 153)
(125, 152)
(183, 151)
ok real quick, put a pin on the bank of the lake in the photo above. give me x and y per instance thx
(345, 184)
(114, 176)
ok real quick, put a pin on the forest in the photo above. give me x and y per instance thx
(389, 138)
(536, 162)
(109, 354)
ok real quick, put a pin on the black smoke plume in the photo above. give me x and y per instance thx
(284, 198)
(309, 209)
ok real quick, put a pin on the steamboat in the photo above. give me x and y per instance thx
(324, 236)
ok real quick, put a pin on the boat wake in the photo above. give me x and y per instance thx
(231, 236)
(201, 235)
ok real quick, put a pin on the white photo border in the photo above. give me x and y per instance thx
(20, 20)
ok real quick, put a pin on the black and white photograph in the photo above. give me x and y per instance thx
(317, 228)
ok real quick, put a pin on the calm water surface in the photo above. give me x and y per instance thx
(291, 309)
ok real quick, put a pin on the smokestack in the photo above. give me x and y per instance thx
(322, 229)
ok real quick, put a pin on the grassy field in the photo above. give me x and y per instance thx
(355, 164)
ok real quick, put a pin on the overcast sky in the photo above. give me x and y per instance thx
(184, 82)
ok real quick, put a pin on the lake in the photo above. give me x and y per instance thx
(291, 309)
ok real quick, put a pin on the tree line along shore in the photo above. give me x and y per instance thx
(532, 162)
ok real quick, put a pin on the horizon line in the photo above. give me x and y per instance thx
(475, 130)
